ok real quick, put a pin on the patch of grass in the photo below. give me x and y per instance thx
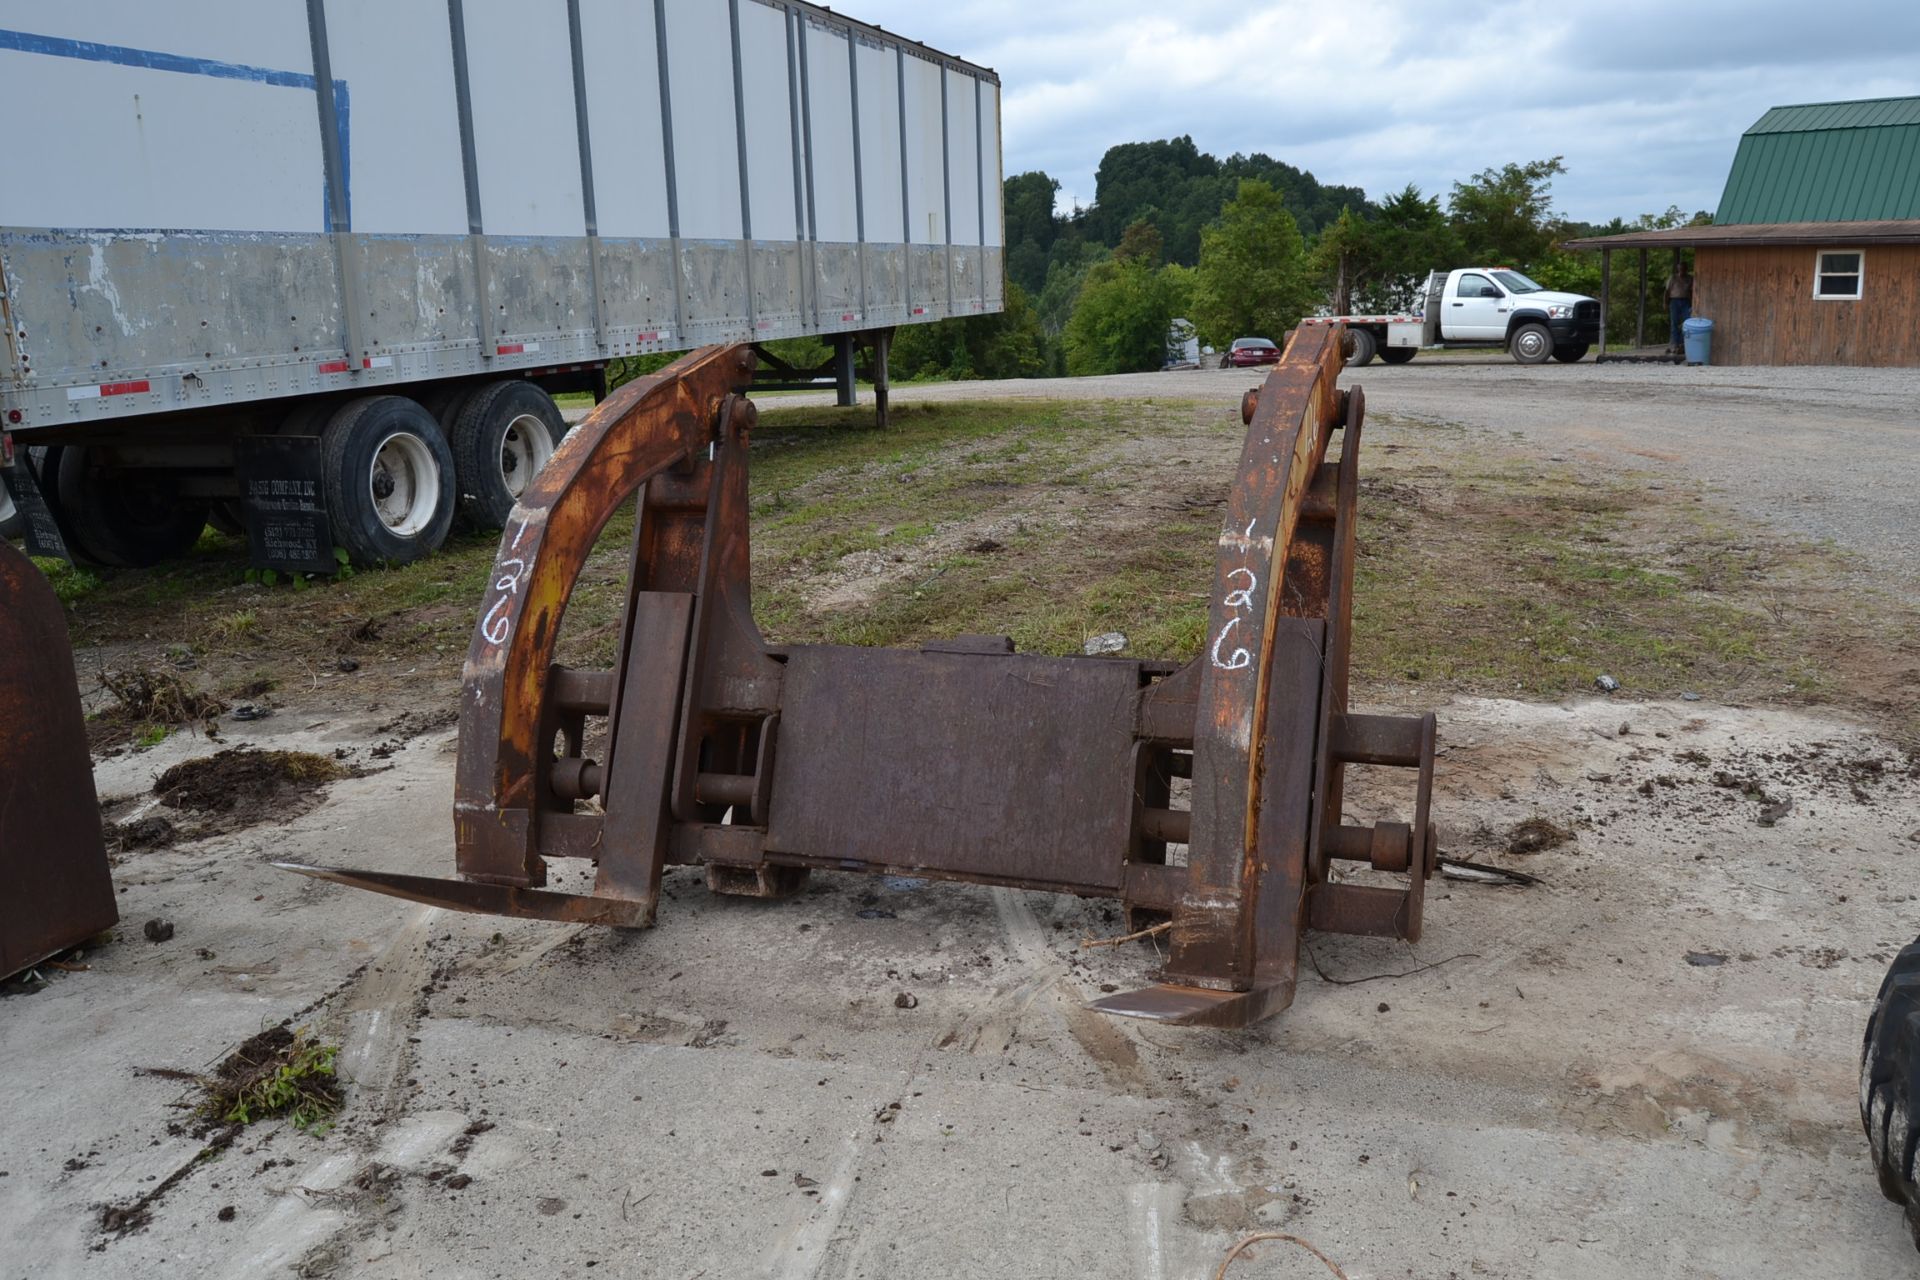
(231, 627)
(70, 582)
(1530, 578)
(151, 736)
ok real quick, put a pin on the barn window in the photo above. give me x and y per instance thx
(1837, 275)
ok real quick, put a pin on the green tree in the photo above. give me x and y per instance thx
(1505, 215)
(1008, 344)
(1346, 261)
(1140, 240)
(1027, 199)
(1413, 238)
(1253, 278)
(1119, 324)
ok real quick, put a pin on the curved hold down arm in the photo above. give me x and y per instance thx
(646, 428)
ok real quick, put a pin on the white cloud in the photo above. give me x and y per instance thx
(1646, 99)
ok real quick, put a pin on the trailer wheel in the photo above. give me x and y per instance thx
(1531, 344)
(1364, 345)
(125, 517)
(228, 516)
(1397, 355)
(388, 480)
(1570, 353)
(1890, 1083)
(502, 436)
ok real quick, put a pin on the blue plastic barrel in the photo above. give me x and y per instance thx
(1697, 332)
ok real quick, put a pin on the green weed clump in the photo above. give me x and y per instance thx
(279, 1072)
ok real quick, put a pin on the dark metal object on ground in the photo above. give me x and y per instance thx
(963, 760)
(55, 889)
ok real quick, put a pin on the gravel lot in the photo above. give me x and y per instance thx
(1826, 453)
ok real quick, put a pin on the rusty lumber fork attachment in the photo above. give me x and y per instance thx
(1206, 796)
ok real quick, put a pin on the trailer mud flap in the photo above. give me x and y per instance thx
(282, 489)
(43, 534)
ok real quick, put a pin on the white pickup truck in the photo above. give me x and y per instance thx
(1479, 307)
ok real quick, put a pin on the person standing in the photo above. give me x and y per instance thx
(1679, 302)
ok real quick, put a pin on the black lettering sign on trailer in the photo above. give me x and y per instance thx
(280, 486)
(43, 535)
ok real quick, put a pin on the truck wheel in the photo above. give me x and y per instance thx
(1570, 353)
(501, 438)
(1531, 344)
(1363, 346)
(1890, 1083)
(1397, 355)
(388, 480)
(126, 517)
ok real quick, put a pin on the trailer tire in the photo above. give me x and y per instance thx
(502, 436)
(1890, 1083)
(388, 478)
(1531, 344)
(228, 516)
(1398, 355)
(1572, 353)
(124, 517)
(1364, 345)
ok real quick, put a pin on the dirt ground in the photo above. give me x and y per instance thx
(1644, 1064)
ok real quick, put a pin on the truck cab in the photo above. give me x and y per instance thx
(1478, 306)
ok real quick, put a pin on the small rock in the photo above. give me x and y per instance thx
(347, 665)
(906, 1000)
(802, 1181)
(247, 711)
(1383, 1007)
(769, 1173)
(225, 1214)
(157, 930)
(1772, 813)
(985, 546)
(1690, 697)
(1705, 959)
(1605, 683)
(1106, 642)
(458, 1182)
(1148, 1139)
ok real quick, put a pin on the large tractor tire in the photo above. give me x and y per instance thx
(1890, 1083)
(1362, 347)
(1398, 355)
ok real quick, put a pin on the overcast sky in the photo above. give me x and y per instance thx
(1646, 101)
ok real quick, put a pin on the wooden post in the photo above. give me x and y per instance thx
(1606, 280)
(1640, 319)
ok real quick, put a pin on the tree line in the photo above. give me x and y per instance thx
(1244, 247)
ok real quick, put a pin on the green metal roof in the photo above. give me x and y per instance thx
(1827, 162)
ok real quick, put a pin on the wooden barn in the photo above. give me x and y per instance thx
(1813, 256)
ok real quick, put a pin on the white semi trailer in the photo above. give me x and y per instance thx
(315, 268)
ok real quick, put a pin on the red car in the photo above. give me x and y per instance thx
(1252, 351)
